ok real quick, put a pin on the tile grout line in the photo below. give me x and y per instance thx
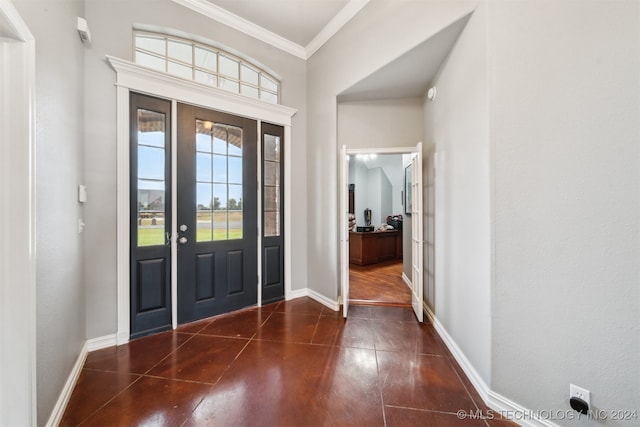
(110, 400)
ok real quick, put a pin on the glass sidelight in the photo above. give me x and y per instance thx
(272, 213)
(151, 153)
(272, 200)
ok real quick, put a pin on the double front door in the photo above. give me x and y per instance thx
(195, 219)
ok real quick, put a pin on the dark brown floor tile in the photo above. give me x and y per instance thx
(393, 313)
(327, 330)
(301, 306)
(241, 324)
(467, 383)
(327, 312)
(289, 327)
(391, 335)
(356, 333)
(271, 307)
(498, 421)
(309, 385)
(194, 327)
(137, 356)
(401, 417)
(359, 311)
(92, 391)
(203, 359)
(151, 401)
(421, 382)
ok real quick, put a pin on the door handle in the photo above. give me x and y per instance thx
(183, 240)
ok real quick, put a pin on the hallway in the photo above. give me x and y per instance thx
(293, 363)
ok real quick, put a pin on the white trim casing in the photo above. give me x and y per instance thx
(130, 76)
(287, 213)
(123, 212)
(18, 392)
(259, 209)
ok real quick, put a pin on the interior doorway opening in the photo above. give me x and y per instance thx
(378, 239)
(376, 230)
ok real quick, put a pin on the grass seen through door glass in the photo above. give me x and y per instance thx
(155, 236)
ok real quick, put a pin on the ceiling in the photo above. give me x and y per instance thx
(296, 20)
(300, 27)
(411, 74)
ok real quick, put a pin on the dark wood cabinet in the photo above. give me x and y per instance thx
(375, 246)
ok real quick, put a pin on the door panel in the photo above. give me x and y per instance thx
(417, 286)
(217, 213)
(344, 229)
(272, 213)
(150, 199)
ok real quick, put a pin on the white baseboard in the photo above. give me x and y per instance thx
(101, 342)
(298, 293)
(65, 394)
(406, 280)
(493, 400)
(333, 305)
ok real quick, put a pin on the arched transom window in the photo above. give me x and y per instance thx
(205, 64)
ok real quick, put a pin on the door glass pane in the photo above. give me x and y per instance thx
(151, 178)
(271, 199)
(203, 136)
(271, 224)
(203, 167)
(221, 172)
(271, 173)
(271, 152)
(235, 170)
(204, 204)
(272, 148)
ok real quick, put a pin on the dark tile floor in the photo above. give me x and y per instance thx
(293, 363)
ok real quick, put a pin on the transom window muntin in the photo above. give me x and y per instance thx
(205, 64)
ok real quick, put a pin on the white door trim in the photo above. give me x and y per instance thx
(132, 77)
(17, 221)
(343, 194)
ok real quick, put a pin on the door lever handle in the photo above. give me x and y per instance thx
(168, 239)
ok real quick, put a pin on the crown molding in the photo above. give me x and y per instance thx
(238, 23)
(340, 20)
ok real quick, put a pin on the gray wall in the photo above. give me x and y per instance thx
(458, 250)
(565, 101)
(60, 311)
(111, 25)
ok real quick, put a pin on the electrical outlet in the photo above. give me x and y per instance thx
(580, 393)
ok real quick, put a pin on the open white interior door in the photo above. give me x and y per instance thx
(417, 287)
(344, 231)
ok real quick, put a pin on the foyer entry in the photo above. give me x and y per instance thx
(196, 211)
